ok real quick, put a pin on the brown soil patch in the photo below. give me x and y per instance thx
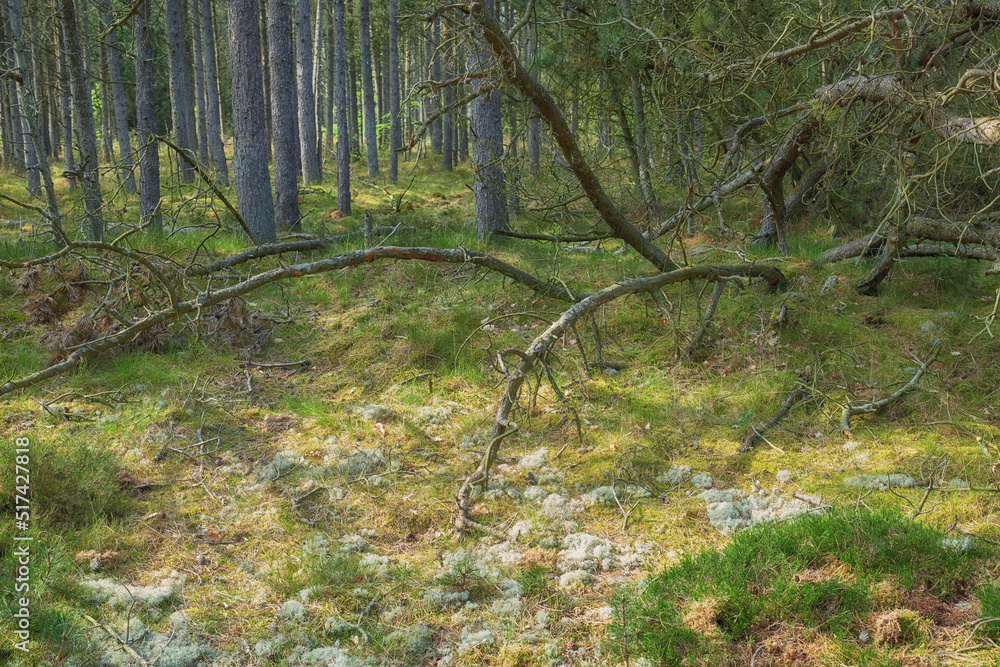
(942, 613)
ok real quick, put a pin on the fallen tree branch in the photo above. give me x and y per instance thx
(275, 249)
(757, 432)
(852, 410)
(335, 263)
(539, 348)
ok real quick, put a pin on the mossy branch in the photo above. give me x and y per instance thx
(851, 410)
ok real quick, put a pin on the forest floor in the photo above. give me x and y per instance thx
(277, 486)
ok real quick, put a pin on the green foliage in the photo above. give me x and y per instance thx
(820, 571)
(72, 484)
(989, 598)
(52, 591)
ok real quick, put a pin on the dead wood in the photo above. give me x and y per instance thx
(757, 432)
(851, 410)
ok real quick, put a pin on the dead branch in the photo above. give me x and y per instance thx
(851, 410)
(335, 263)
(271, 249)
(757, 432)
(539, 348)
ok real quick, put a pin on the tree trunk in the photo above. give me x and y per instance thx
(145, 125)
(534, 123)
(268, 121)
(118, 95)
(642, 147)
(90, 184)
(317, 69)
(250, 174)
(368, 90)
(447, 121)
(395, 128)
(311, 171)
(352, 102)
(343, 131)
(283, 116)
(201, 98)
(29, 107)
(437, 128)
(380, 63)
(331, 84)
(107, 119)
(213, 120)
(22, 134)
(487, 147)
(180, 86)
(66, 107)
(463, 123)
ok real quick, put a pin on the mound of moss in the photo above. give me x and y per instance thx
(829, 572)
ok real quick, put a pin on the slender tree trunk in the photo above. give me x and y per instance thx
(317, 93)
(343, 131)
(447, 122)
(6, 108)
(642, 148)
(201, 98)
(90, 184)
(180, 86)
(283, 116)
(107, 119)
(368, 90)
(55, 132)
(21, 131)
(487, 149)
(213, 120)
(66, 107)
(117, 84)
(395, 128)
(29, 106)
(436, 126)
(265, 41)
(331, 83)
(250, 174)
(145, 121)
(534, 123)
(380, 63)
(352, 102)
(463, 123)
(311, 171)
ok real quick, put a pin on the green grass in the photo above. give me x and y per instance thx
(759, 580)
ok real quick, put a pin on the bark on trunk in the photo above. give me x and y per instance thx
(213, 120)
(201, 101)
(311, 171)
(180, 86)
(395, 126)
(447, 121)
(368, 89)
(66, 107)
(118, 94)
(343, 131)
(490, 188)
(250, 174)
(283, 116)
(22, 133)
(264, 41)
(145, 111)
(90, 184)
(436, 127)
